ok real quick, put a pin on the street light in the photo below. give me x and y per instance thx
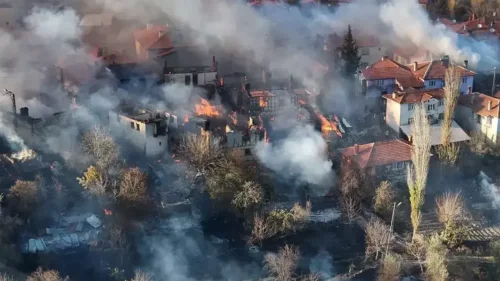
(392, 224)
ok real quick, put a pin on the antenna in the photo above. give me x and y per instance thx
(479, 26)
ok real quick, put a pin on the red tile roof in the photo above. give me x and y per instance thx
(479, 104)
(415, 96)
(378, 153)
(390, 69)
(436, 70)
(484, 25)
(155, 37)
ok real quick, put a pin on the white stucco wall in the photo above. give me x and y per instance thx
(373, 54)
(464, 86)
(468, 119)
(438, 84)
(143, 139)
(399, 114)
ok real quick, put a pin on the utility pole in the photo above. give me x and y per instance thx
(390, 229)
(493, 83)
(14, 109)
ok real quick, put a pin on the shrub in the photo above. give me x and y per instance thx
(23, 197)
(282, 265)
(377, 236)
(436, 260)
(250, 195)
(450, 207)
(390, 269)
(384, 198)
(49, 275)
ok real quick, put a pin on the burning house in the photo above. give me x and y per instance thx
(278, 99)
(147, 130)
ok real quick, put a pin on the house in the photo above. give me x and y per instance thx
(400, 106)
(387, 76)
(381, 159)
(195, 75)
(277, 99)
(480, 113)
(147, 130)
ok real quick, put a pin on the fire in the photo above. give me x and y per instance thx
(108, 212)
(263, 102)
(25, 154)
(206, 109)
(328, 126)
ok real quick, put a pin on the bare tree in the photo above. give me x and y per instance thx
(390, 269)
(23, 197)
(283, 264)
(260, 231)
(448, 152)
(384, 197)
(310, 277)
(351, 207)
(142, 276)
(250, 195)
(99, 144)
(436, 260)
(450, 207)
(202, 151)
(418, 250)
(417, 174)
(93, 181)
(377, 235)
(48, 275)
(133, 188)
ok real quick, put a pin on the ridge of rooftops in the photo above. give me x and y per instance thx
(142, 114)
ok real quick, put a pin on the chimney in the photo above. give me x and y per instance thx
(466, 63)
(160, 33)
(356, 149)
(445, 61)
(393, 95)
(383, 58)
(465, 27)
(24, 111)
(415, 66)
(489, 105)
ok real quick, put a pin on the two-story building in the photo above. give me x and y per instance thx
(400, 106)
(387, 76)
(147, 130)
(479, 113)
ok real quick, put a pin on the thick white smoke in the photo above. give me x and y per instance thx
(489, 189)
(61, 26)
(403, 24)
(302, 155)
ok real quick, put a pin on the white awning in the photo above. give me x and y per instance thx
(457, 134)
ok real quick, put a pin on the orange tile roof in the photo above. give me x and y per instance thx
(415, 96)
(436, 70)
(155, 37)
(390, 69)
(378, 153)
(479, 104)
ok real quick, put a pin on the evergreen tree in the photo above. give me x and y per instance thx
(350, 55)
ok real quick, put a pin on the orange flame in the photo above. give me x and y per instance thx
(108, 212)
(328, 126)
(206, 109)
(263, 102)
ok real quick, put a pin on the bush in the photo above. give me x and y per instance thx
(133, 188)
(49, 275)
(142, 276)
(390, 269)
(5, 277)
(453, 235)
(450, 208)
(384, 198)
(23, 197)
(448, 153)
(282, 265)
(250, 195)
(436, 260)
(93, 181)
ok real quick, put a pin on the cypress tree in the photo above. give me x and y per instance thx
(350, 55)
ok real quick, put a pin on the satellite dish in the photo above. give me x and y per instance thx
(492, 30)
(479, 26)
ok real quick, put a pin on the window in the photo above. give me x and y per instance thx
(398, 165)
(488, 120)
(363, 65)
(432, 83)
(137, 127)
(410, 120)
(159, 143)
(132, 125)
(411, 106)
(441, 102)
(464, 80)
(441, 116)
(248, 152)
(380, 82)
(365, 51)
(187, 80)
(431, 107)
(478, 119)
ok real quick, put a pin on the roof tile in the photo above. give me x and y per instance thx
(379, 153)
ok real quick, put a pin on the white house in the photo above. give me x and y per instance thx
(387, 76)
(479, 113)
(401, 105)
(146, 130)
